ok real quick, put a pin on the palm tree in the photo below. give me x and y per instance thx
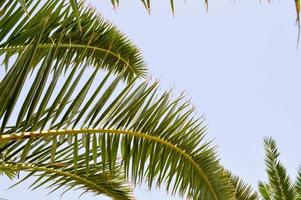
(77, 112)
(279, 185)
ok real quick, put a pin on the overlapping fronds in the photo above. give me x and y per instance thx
(53, 26)
(61, 174)
(279, 184)
(155, 137)
(57, 106)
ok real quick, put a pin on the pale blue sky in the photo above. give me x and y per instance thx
(239, 65)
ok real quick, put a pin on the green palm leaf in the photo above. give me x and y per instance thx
(60, 173)
(54, 24)
(56, 176)
(243, 191)
(264, 190)
(298, 184)
(156, 137)
(70, 111)
(279, 184)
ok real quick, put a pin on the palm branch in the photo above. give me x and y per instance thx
(242, 191)
(279, 185)
(78, 122)
(52, 27)
(60, 176)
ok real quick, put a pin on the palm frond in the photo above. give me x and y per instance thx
(155, 138)
(243, 191)
(60, 172)
(298, 184)
(264, 190)
(54, 27)
(279, 183)
(72, 108)
(55, 177)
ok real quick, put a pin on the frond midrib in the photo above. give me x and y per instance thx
(70, 45)
(49, 133)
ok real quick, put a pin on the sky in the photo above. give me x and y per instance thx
(237, 62)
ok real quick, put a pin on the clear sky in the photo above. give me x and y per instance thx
(239, 65)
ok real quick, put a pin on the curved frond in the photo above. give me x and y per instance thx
(279, 184)
(56, 177)
(243, 191)
(61, 103)
(60, 172)
(53, 26)
(155, 136)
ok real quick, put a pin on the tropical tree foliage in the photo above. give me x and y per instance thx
(76, 111)
(280, 184)
(242, 191)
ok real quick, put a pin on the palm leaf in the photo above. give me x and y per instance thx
(56, 176)
(60, 173)
(243, 191)
(298, 183)
(279, 184)
(155, 136)
(54, 24)
(75, 109)
(265, 191)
